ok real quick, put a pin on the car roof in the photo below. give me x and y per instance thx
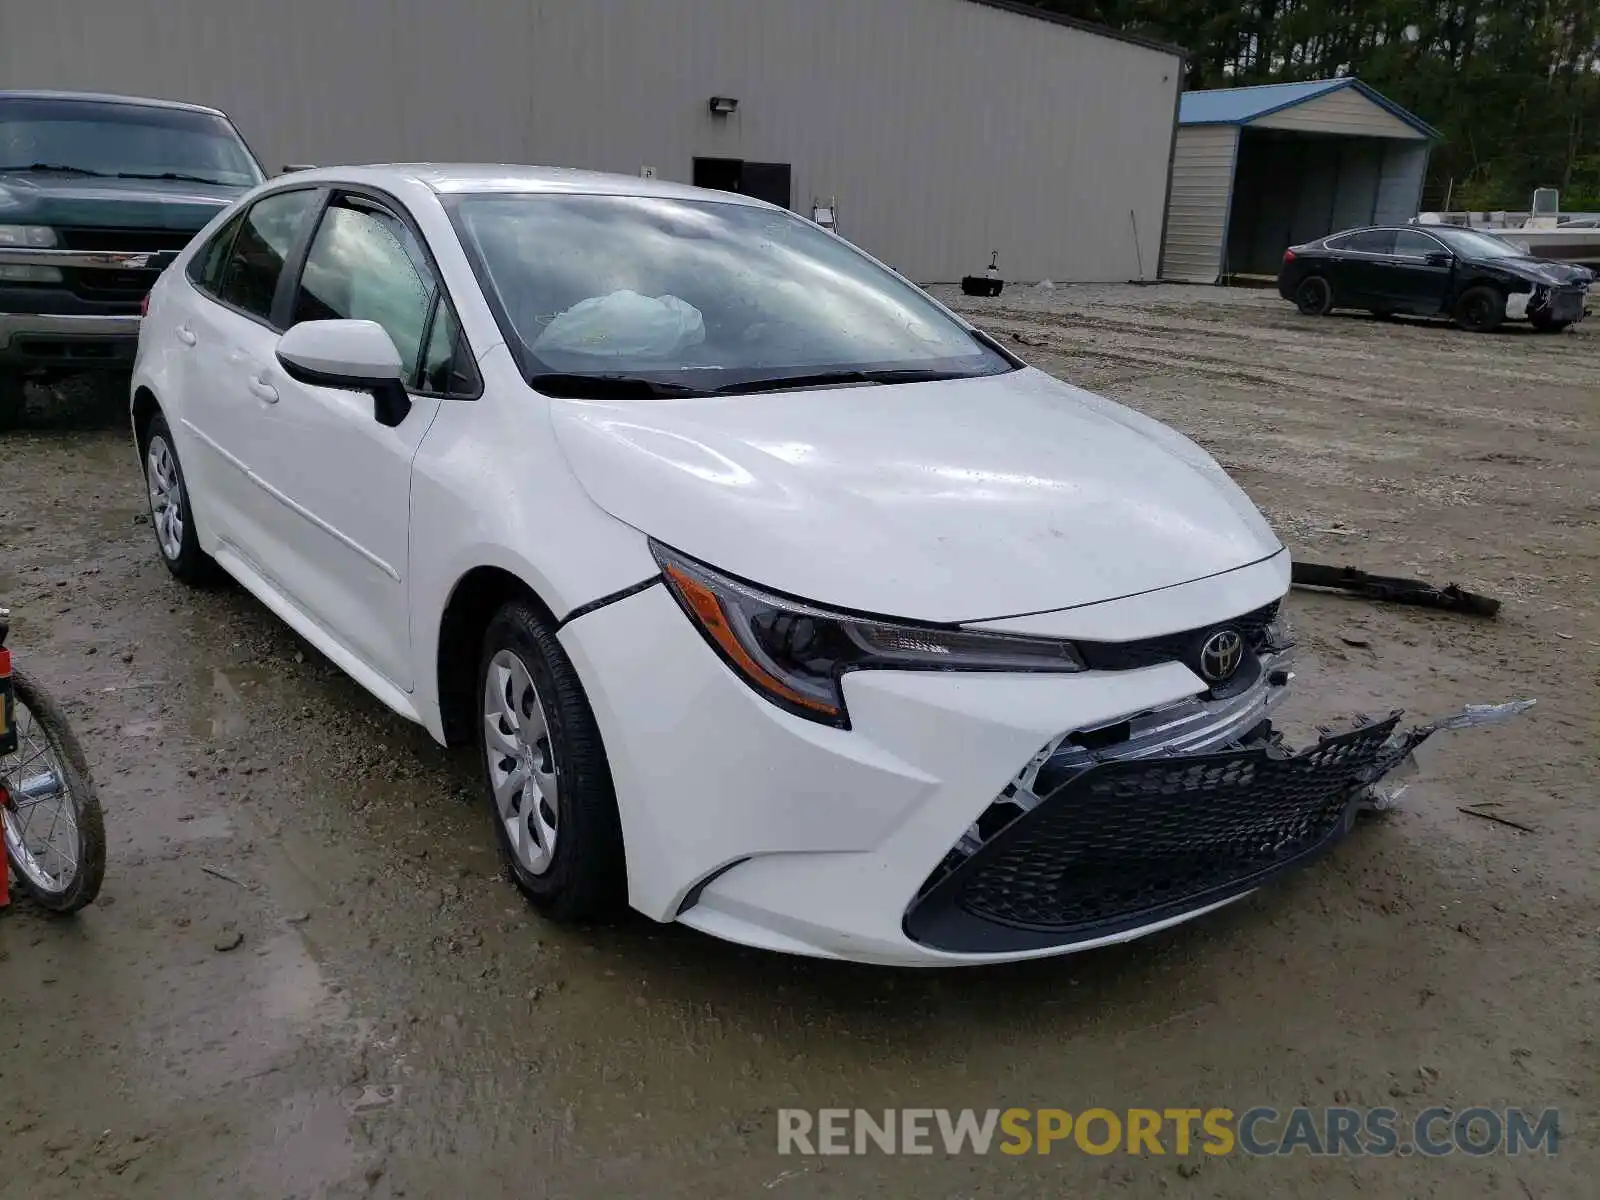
(507, 178)
(108, 98)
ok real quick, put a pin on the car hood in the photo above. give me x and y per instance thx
(1540, 270)
(942, 501)
(39, 198)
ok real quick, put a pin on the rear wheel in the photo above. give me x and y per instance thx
(55, 834)
(545, 772)
(171, 513)
(1314, 296)
(1481, 309)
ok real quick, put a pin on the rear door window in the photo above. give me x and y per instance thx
(255, 261)
(1368, 241)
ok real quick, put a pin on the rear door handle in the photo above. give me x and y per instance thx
(186, 335)
(262, 390)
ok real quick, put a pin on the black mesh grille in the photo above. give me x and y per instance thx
(128, 241)
(110, 285)
(1129, 843)
(1174, 647)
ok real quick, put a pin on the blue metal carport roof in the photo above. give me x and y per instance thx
(1242, 105)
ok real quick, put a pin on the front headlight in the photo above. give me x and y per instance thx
(795, 654)
(28, 237)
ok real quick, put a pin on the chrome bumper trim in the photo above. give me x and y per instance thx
(1190, 726)
(111, 260)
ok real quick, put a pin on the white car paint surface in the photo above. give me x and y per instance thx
(990, 503)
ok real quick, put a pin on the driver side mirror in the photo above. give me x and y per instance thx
(356, 356)
(1439, 258)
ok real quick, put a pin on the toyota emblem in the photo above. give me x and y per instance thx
(1221, 655)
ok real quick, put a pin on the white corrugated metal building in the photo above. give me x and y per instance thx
(944, 128)
(1258, 169)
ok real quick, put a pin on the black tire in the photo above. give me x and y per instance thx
(42, 713)
(1481, 309)
(1314, 296)
(188, 563)
(585, 878)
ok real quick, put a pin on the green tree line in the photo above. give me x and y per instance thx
(1513, 85)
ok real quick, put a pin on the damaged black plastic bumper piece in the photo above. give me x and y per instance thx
(1124, 845)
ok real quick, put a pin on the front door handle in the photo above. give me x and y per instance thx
(186, 335)
(263, 391)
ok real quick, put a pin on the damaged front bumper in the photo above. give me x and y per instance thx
(1557, 303)
(1099, 846)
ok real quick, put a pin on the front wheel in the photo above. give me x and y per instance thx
(545, 772)
(1314, 296)
(54, 832)
(1481, 309)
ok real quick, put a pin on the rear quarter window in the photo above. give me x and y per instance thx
(205, 268)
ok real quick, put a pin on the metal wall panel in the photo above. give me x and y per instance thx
(1360, 169)
(1197, 218)
(1405, 164)
(945, 128)
(1344, 111)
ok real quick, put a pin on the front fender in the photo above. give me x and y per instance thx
(490, 488)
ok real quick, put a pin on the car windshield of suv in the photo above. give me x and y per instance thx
(1477, 245)
(97, 137)
(700, 296)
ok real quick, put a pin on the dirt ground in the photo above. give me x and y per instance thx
(395, 1022)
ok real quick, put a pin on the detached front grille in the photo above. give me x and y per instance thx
(1131, 843)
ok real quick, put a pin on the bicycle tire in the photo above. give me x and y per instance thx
(86, 881)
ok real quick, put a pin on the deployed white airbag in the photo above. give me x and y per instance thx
(624, 324)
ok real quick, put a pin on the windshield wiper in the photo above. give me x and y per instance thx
(178, 175)
(830, 378)
(56, 168)
(609, 387)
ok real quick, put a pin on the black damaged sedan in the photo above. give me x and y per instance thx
(1475, 278)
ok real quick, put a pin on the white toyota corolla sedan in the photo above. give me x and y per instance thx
(777, 599)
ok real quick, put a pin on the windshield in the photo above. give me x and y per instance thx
(700, 295)
(1475, 244)
(96, 137)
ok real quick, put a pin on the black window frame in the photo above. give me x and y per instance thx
(294, 266)
(291, 256)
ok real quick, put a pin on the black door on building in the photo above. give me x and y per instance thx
(765, 181)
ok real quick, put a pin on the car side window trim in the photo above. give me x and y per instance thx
(1343, 246)
(370, 198)
(239, 221)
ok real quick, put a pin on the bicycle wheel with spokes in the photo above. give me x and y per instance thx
(53, 828)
